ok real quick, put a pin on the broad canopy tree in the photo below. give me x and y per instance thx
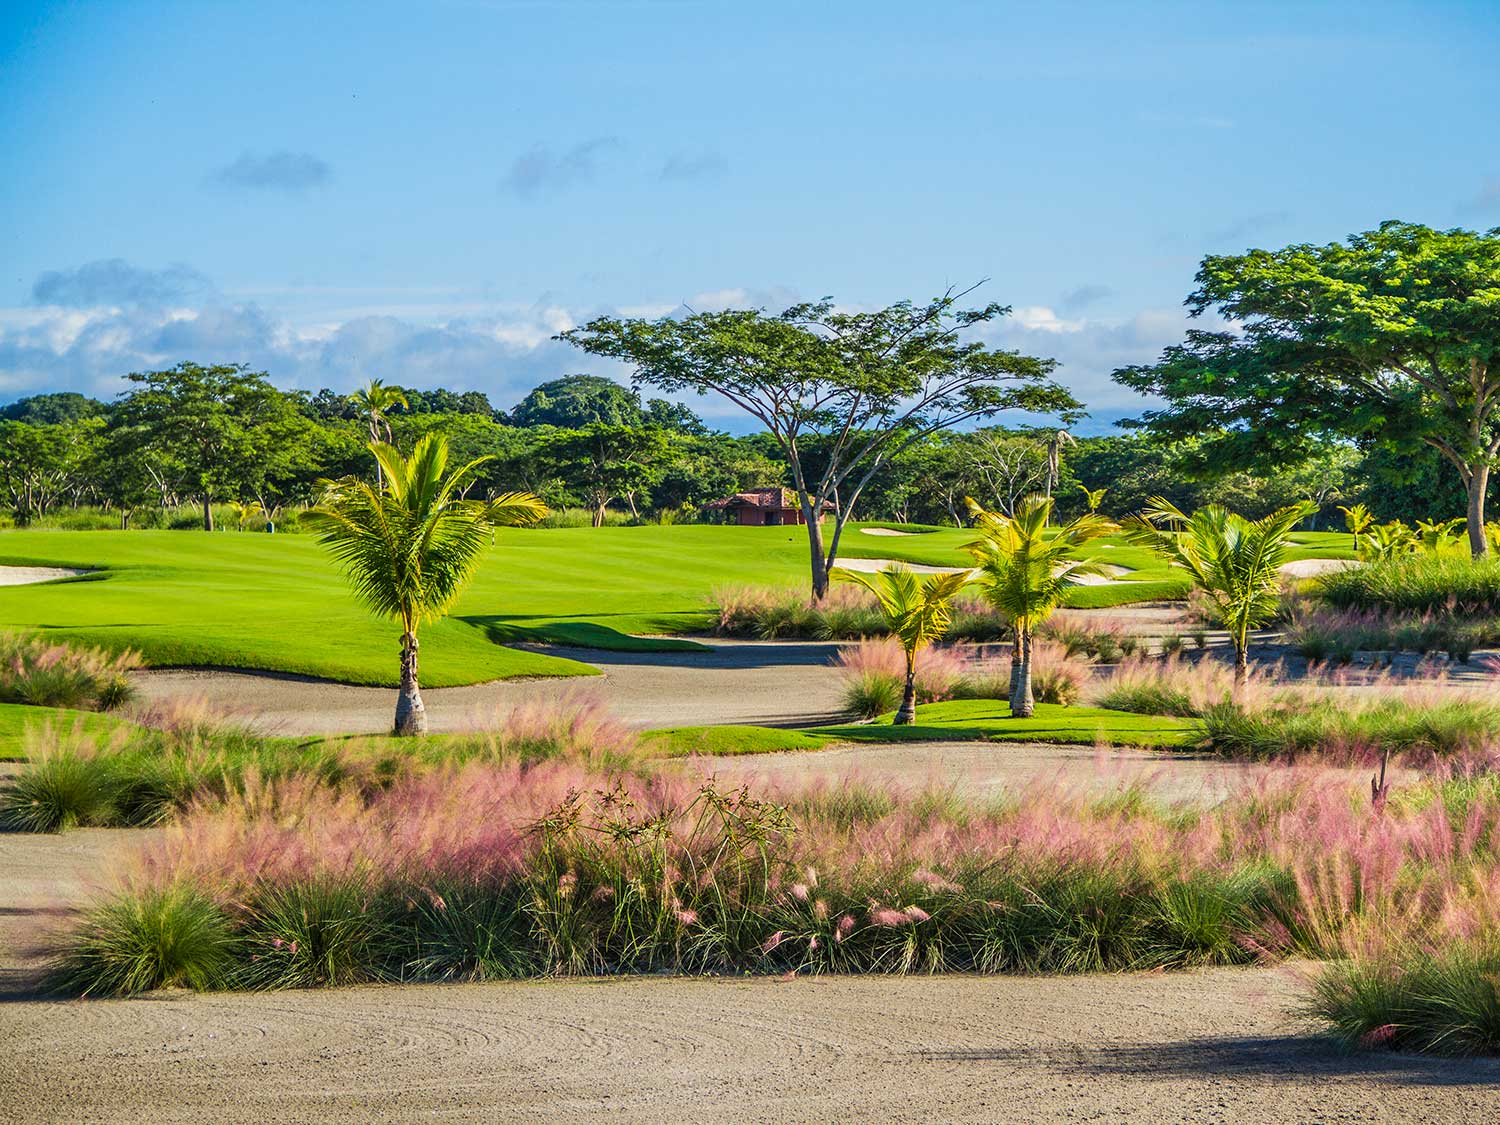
(221, 427)
(862, 386)
(1390, 339)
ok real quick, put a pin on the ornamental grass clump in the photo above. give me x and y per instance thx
(43, 673)
(189, 757)
(489, 871)
(1451, 585)
(873, 674)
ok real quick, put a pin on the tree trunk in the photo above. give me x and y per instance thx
(599, 513)
(908, 713)
(125, 519)
(208, 513)
(411, 716)
(819, 561)
(1022, 703)
(1479, 483)
(1241, 663)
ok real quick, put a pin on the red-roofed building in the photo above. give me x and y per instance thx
(763, 507)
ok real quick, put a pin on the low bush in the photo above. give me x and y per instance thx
(845, 613)
(874, 673)
(503, 870)
(182, 757)
(48, 674)
(1434, 999)
(1452, 585)
(1327, 635)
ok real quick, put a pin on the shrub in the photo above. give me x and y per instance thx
(46, 674)
(504, 870)
(183, 757)
(1454, 585)
(156, 937)
(59, 789)
(1326, 635)
(845, 613)
(874, 673)
(1435, 1000)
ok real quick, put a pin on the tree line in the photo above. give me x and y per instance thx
(1365, 371)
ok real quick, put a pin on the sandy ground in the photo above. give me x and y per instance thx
(1311, 568)
(871, 566)
(27, 575)
(1211, 1046)
(886, 531)
(781, 683)
(988, 769)
(1214, 1046)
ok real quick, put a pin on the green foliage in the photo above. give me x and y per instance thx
(1234, 561)
(1391, 337)
(171, 937)
(1426, 583)
(1441, 1001)
(58, 791)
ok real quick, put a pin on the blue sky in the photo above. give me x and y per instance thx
(425, 192)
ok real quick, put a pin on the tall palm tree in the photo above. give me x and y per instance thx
(918, 610)
(1234, 560)
(409, 546)
(376, 400)
(1025, 569)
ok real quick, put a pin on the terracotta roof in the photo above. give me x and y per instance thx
(782, 499)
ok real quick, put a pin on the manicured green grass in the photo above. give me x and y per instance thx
(989, 720)
(277, 603)
(17, 718)
(679, 742)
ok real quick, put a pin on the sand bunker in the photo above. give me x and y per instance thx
(1311, 568)
(871, 566)
(27, 575)
(883, 531)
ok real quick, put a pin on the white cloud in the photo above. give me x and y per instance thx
(501, 349)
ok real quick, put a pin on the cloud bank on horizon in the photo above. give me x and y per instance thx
(90, 325)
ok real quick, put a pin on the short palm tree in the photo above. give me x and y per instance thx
(1024, 571)
(918, 611)
(376, 400)
(1234, 560)
(410, 545)
(1357, 518)
(1093, 497)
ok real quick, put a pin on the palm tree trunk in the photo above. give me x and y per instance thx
(908, 713)
(411, 716)
(1022, 703)
(1241, 663)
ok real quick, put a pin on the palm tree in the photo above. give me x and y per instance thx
(409, 546)
(1357, 518)
(1093, 497)
(918, 611)
(1234, 560)
(377, 400)
(1025, 569)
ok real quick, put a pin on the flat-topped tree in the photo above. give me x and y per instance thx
(1390, 338)
(861, 386)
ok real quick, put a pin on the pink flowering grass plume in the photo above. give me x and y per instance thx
(45, 673)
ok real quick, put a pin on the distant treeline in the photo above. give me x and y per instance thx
(206, 436)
